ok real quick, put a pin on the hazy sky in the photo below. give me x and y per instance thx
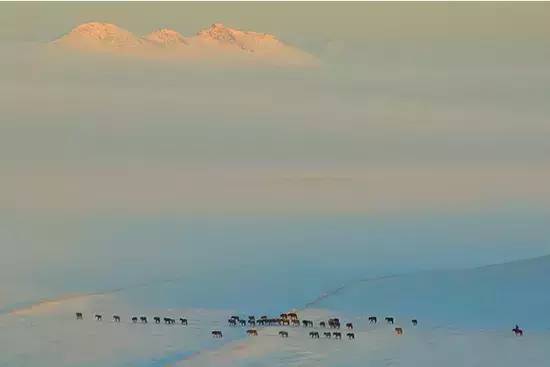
(433, 110)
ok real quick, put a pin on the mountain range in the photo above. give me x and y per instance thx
(218, 43)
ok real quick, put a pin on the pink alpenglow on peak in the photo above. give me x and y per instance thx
(217, 43)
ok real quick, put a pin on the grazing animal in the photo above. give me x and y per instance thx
(337, 335)
(79, 316)
(314, 334)
(242, 322)
(169, 321)
(517, 331)
(398, 331)
(116, 318)
(183, 321)
(372, 320)
(283, 334)
(232, 322)
(98, 317)
(415, 322)
(327, 334)
(350, 336)
(217, 334)
(349, 325)
(157, 319)
(134, 319)
(334, 323)
(143, 319)
(322, 324)
(252, 332)
(389, 320)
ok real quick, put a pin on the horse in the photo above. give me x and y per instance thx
(217, 334)
(334, 323)
(252, 332)
(372, 320)
(116, 318)
(169, 321)
(398, 331)
(292, 316)
(134, 319)
(327, 334)
(314, 334)
(251, 323)
(517, 331)
(349, 325)
(285, 322)
(98, 317)
(415, 322)
(307, 323)
(322, 324)
(242, 322)
(283, 334)
(183, 321)
(232, 322)
(235, 317)
(389, 320)
(157, 319)
(337, 335)
(350, 336)
(295, 322)
(283, 316)
(143, 319)
(79, 316)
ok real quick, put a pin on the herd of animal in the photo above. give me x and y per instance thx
(284, 319)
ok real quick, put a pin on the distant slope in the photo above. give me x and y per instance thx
(217, 43)
(492, 296)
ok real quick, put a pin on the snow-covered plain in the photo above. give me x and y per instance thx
(465, 319)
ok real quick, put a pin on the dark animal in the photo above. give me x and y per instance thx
(337, 335)
(292, 316)
(415, 322)
(134, 319)
(283, 316)
(283, 334)
(169, 321)
(79, 316)
(350, 336)
(295, 322)
(314, 334)
(183, 321)
(307, 323)
(251, 323)
(143, 319)
(517, 331)
(398, 331)
(322, 324)
(251, 317)
(98, 317)
(116, 318)
(235, 317)
(349, 325)
(217, 334)
(242, 322)
(389, 320)
(252, 332)
(156, 319)
(372, 320)
(232, 322)
(334, 323)
(327, 334)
